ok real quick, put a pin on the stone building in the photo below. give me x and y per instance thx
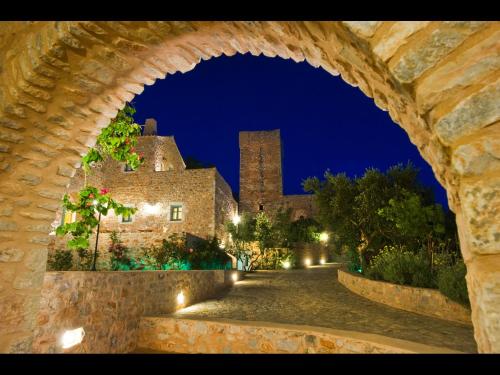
(169, 198)
(261, 178)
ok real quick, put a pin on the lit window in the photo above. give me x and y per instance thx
(68, 217)
(176, 213)
(126, 218)
(128, 168)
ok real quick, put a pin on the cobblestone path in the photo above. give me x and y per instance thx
(314, 297)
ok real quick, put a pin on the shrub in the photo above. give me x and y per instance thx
(62, 260)
(396, 265)
(120, 259)
(207, 255)
(451, 282)
(273, 259)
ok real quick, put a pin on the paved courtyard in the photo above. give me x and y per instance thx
(314, 297)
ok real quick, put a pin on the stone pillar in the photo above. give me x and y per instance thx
(478, 226)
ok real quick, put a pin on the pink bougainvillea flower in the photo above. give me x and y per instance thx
(91, 196)
(104, 191)
(127, 141)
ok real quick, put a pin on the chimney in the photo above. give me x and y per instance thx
(150, 127)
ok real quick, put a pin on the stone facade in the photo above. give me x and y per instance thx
(418, 300)
(174, 335)
(108, 305)
(261, 178)
(160, 182)
(62, 81)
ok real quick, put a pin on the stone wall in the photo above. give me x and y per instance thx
(418, 300)
(62, 81)
(313, 251)
(108, 305)
(174, 335)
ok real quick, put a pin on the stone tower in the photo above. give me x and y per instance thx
(261, 183)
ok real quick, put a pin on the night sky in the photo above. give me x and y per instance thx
(324, 122)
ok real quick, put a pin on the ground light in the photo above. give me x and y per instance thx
(72, 337)
(307, 262)
(234, 276)
(286, 265)
(322, 261)
(180, 298)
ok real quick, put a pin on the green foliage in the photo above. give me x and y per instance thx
(273, 259)
(89, 204)
(451, 282)
(305, 230)
(263, 231)
(380, 209)
(175, 254)
(419, 225)
(118, 141)
(397, 265)
(61, 260)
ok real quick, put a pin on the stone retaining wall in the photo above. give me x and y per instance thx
(108, 305)
(313, 251)
(174, 335)
(423, 301)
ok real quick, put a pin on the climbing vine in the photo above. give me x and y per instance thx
(118, 141)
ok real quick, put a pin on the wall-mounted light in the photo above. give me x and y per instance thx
(323, 237)
(72, 337)
(307, 262)
(180, 299)
(151, 209)
(236, 219)
(234, 276)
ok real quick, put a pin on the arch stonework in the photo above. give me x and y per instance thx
(61, 82)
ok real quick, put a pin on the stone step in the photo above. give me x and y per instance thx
(167, 334)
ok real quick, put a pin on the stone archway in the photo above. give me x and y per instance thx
(61, 82)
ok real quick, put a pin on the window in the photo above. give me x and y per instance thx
(68, 217)
(126, 218)
(176, 212)
(261, 207)
(128, 168)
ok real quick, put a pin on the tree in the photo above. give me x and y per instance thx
(118, 141)
(351, 208)
(242, 238)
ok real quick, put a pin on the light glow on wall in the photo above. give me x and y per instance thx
(286, 264)
(181, 299)
(323, 237)
(236, 219)
(234, 276)
(307, 262)
(151, 209)
(322, 261)
(72, 337)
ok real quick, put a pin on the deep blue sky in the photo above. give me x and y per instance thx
(324, 122)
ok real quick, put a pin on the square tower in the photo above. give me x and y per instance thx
(261, 182)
